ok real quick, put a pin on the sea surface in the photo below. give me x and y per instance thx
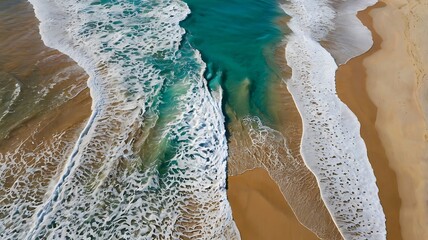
(166, 79)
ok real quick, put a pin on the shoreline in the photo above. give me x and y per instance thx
(391, 103)
(247, 171)
(331, 144)
(51, 108)
(265, 192)
(278, 152)
(351, 89)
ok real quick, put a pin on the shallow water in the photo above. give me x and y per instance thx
(44, 103)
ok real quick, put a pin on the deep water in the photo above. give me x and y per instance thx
(237, 40)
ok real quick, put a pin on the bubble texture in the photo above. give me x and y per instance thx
(331, 144)
(151, 162)
(26, 177)
(264, 147)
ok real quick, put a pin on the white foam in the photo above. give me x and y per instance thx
(334, 22)
(331, 144)
(102, 191)
(350, 37)
(25, 177)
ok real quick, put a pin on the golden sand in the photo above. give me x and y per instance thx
(389, 99)
(387, 89)
(397, 85)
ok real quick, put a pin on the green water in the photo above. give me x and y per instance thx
(237, 40)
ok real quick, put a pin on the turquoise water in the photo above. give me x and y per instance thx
(237, 40)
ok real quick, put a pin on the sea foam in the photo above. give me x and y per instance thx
(331, 144)
(116, 184)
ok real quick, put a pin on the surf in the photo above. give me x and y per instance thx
(118, 181)
(331, 144)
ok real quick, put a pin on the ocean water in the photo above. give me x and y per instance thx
(151, 161)
(156, 133)
(165, 77)
(238, 40)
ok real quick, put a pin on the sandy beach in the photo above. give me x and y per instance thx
(386, 89)
(351, 88)
(277, 152)
(398, 88)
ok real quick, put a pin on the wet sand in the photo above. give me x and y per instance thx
(354, 84)
(351, 88)
(260, 210)
(278, 152)
(386, 88)
(275, 156)
(395, 133)
(53, 96)
(53, 105)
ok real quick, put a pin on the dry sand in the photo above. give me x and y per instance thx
(397, 85)
(387, 89)
(392, 113)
